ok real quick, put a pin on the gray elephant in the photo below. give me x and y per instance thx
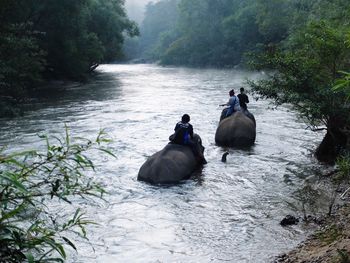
(172, 164)
(237, 130)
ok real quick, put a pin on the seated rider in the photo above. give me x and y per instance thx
(233, 104)
(243, 99)
(183, 131)
(184, 136)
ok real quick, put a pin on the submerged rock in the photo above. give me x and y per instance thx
(289, 220)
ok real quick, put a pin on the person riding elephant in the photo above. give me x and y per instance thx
(238, 129)
(178, 159)
(243, 99)
(184, 136)
(233, 104)
(172, 164)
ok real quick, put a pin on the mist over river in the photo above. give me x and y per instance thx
(229, 212)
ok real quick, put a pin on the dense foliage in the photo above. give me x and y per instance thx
(200, 33)
(57, 39)
(33, 187)
(157, 32)
(308, 64)
(220, 32)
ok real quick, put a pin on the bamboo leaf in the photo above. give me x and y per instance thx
(108, 152)
(76, 214)
(24, 153)
(12, 213)
(58, 247)
(11, 178)
(67, 134)
(30, 257)
(69, 242)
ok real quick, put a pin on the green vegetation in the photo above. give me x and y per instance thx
(343, 176)
(157, 32)
(210, 33)
(343, 256)
(66, 39)
(221, 32)
(329, 235)
(33, 187)
(307, 66)
(343, 84)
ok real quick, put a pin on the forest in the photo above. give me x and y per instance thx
(221, 33)
(46, 40)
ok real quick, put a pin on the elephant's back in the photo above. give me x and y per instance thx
(237, 130)
(170, 165)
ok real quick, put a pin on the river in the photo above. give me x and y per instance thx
(230, 212)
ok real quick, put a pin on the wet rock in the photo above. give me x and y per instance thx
(318, 220)
(281, 258)
(289, 220)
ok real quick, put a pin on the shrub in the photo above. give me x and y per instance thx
(31, 183)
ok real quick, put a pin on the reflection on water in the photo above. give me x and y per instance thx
(230, 214)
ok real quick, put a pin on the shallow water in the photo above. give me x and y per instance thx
(230, 213)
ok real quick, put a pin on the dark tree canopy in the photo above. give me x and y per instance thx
(57, 39)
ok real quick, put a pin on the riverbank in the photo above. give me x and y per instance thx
(329, 244)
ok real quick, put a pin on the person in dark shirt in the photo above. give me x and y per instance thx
(243, 99)
(183, 131)
(184, 136)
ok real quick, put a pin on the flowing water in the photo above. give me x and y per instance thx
(229, 212)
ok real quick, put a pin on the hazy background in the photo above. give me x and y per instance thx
(136, 9)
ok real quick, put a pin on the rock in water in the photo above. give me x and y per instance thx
(289, 220)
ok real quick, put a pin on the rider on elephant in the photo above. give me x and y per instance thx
(184, 136)
(243, 99)
(233, 104)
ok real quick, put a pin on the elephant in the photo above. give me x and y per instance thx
(172, 164)
(237, 130)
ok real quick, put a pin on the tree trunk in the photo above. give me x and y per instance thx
(333, 143)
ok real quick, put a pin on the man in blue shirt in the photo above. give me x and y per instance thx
(233, 103)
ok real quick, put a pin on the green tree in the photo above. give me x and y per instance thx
(110, 24)
(21, 60)
(307, 68)
(65, 39)
(201, 39)
(241, 33)
(273, 19)
(343, 84)
(158, 28)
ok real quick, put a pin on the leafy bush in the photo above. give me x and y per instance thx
(31, 183)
